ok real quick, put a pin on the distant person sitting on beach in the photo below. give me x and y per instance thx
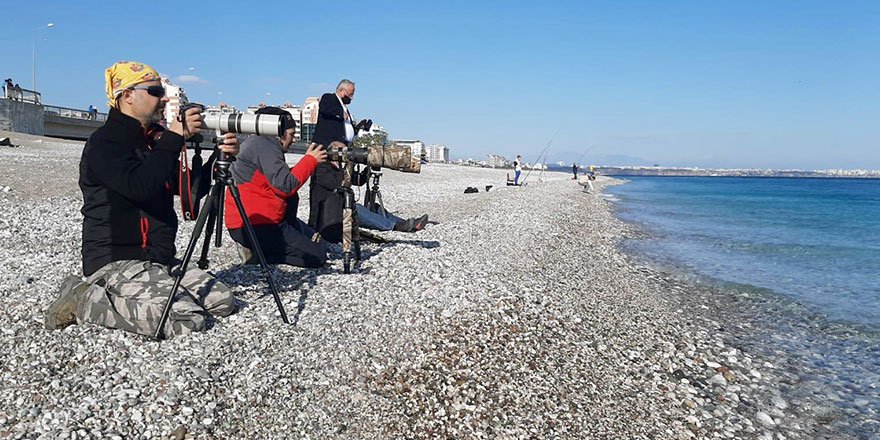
(269, 194)
(517, 169)
(128, 177)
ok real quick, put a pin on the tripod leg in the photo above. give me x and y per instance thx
(212, 219)
(379, 203)
(347, 222)
(190, 248)
(218, 238)
(252, 237)
(355, 228)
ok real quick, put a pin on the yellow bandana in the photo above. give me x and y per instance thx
(125, 74)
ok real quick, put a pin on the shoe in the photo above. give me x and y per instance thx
(245, 254)
(405, 225)
(62, 311)
(421, 222)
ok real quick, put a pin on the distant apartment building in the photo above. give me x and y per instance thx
(296, 112)
(437, 153)
(417, 147)
(375, 129)
(496, 161)
(308, 119)
(176, 96)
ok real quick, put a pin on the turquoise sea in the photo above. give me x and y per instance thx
(806, 250)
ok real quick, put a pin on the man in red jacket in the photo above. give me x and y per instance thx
(268, 188)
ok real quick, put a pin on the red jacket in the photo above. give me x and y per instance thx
(266, 183)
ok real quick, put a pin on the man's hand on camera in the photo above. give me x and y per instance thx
(193, 118)
(317, 151)
(229, 144)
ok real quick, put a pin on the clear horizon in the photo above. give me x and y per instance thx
(687, 83)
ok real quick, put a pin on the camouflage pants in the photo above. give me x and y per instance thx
(131, 294)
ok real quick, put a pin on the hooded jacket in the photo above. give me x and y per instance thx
(267, 185)
(325, 204)
(128, 190)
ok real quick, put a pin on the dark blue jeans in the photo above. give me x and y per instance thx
(286, 243)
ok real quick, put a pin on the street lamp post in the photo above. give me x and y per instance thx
(34, 65)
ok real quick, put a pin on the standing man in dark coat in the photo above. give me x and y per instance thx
(334, 125)
(334, 119)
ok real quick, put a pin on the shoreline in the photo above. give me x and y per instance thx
(825, 366)
(496, 322)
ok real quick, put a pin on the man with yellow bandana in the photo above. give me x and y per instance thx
(128, 176)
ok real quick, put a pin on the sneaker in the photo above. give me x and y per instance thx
(245, 254)
(405, 225)
(62, 311)
(420, 223)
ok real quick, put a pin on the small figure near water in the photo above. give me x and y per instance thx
(517, 169)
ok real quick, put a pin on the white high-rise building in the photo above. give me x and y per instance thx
(437, 153)
(496, 161)
(176, 96)
(375, 129)
(417, 147)
(296, 112)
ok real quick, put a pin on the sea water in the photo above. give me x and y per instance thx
(811, 244)
(815, 240)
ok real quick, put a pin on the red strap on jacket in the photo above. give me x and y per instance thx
(145, 229)
(184, 189)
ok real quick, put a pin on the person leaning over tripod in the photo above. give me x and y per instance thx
(128, 177)
(326, 205)
(268, 188)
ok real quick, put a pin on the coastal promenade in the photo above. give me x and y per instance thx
(27, 114)
(516, 316)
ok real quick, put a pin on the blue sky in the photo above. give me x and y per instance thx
(778, 84)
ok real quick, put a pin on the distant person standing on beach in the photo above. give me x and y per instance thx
(517, 169)
(574, 170)
(129, 176)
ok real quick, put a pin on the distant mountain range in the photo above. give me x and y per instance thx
(703, 172)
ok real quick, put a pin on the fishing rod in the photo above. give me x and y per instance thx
(543, 154)
(584, 154)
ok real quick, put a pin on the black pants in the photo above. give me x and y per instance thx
(286, 243)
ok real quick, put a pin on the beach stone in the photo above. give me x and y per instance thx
(765, 419)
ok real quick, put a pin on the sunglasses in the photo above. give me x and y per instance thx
(157, 91)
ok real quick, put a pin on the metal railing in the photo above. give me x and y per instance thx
(74, 113)
(20, 94)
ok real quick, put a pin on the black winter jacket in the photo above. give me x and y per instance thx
(128, 190)
(331, 121)
(325, 204)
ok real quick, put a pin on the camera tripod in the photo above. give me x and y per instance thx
(373, 197)
(351, 236)
(210, 212)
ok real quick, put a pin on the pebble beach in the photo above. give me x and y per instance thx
(515, 315)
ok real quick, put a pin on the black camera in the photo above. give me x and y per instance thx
(363, 125)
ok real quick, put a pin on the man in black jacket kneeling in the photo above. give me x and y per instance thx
(128, 177)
